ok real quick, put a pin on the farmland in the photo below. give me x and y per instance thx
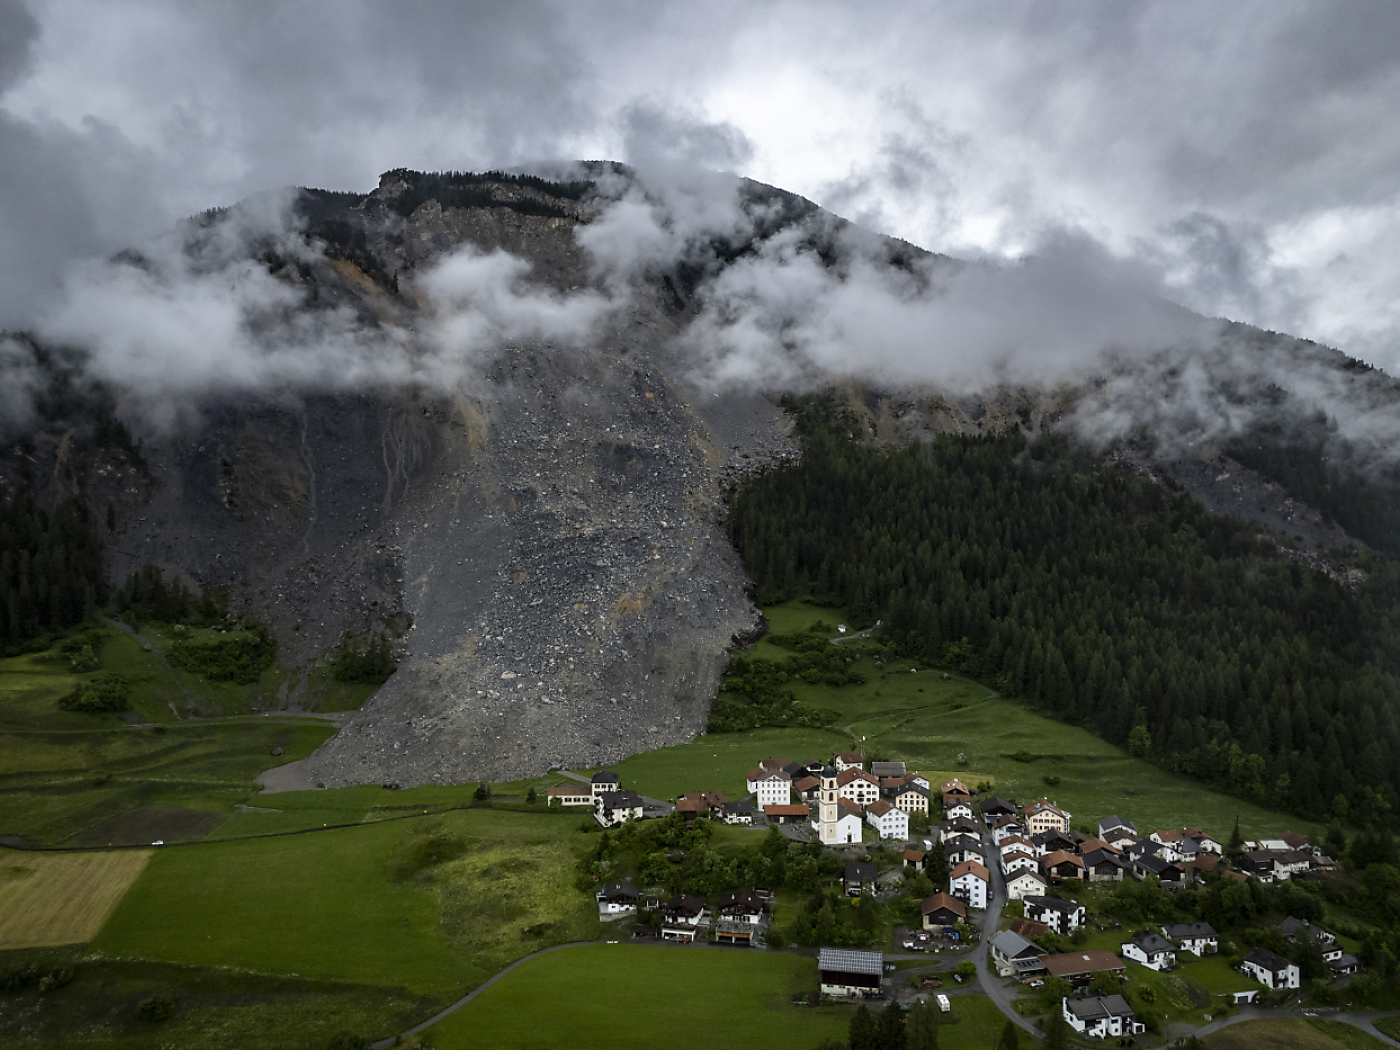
(1292, 1034)
(48, 900)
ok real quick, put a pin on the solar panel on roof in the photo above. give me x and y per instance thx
(850, 962)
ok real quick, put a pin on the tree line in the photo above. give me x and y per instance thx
(1098, 597)
(50, 569)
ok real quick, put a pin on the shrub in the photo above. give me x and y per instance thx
(237, 656)
(101, 692)
(155, 1009)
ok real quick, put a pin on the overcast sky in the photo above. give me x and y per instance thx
(1245, 157)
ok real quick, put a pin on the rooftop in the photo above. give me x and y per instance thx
(837, 960)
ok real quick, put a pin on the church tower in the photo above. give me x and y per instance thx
(828, 811)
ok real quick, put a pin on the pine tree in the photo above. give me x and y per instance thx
(1009, 1039)
(1236, 839)
(921, 1027)
(864, 1030)
(892, 1034)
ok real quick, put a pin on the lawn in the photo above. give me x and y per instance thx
(324, 905)
(53, 899)
(973, 1024)
(613, 997)
(1291, 1034)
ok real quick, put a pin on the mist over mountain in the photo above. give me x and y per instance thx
(506, 408)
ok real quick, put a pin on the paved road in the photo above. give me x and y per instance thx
(986, 976)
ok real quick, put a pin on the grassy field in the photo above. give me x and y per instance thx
(1292, 1034)
(973, 1024)
(326, 906)
(48, 899)
(612, 997)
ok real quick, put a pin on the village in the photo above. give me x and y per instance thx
(1023, 902)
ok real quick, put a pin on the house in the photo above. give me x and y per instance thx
(1064, 917)
(858, 786)
(1205, 863)
(1103, 1017)
(1344, 964)
(1103, 865)
(742, 907)
(890, 821)
(1016, 956)
(798, 813)
(858, 878)
(887, 769)
(1294, 930)
(616, 899)
(1005, 827)
(1079, 968)
(772, 789)
(941, 911)
(617, 807)
(603, 782)
(1114, 823)
(807, 788)
(959, 848)
(1209, 844)
(1270, 969)
(1166, 836)
(956, 787)
(960, 826)
(740, 812)
(1119, 838)
(957, 809)
(969, 883)
(1292, 840)
(1152, 950)
(1027, 882)
(911, 798)
(1014, 860)
(844, 760)
(915, 858)
(1044, 815)
(848, 974)
(1198, 938)
(700, 804)
(1262, 864)
(767, 766)
(1170, 874)
(1051, 841)
(569, 795)
(1028, 929)
(1017, 842)
(994, 807)
(682, 917)
(1060, 865)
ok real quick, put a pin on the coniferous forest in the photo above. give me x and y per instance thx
(1099, 597)
(50, 569)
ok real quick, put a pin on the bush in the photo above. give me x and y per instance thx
(100, 693)
(237, 656)
(344, 1040)
(155, 1009)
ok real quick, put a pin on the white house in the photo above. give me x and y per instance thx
(603, 782)
(958, 848)
(1064, 917)
(844, 760)
(890, 821)
(1270, 969)
(1103, 1017)
(1044, 815)
(858, 786)
(617, 807)
(968, 882)
(616, 900)
(957, 809)
(911, 798)
(1198, 938)
(569, 795)
(773, 788)
(1018, 860)
(740, 812)
(1010, 829)
(1025, 883)
(1113, 822)
(1152, 950)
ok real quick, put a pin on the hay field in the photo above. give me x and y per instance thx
(52, 899)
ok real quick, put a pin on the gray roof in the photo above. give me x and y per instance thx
(1267, 959)
(887, 769)
(1186, 931)
(618, 889)
(604, 777)
(1151, 942)
(1104, 1006)
(1115, 821)
(1011, 944)
(857, 870)
(841, 961)
(1054, 904)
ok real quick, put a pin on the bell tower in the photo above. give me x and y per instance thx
(829, 813)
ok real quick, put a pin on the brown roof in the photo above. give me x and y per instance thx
(1016, 840)
(1238, 876)
(1068, 964)
(1089, 845)
(774, 764)
(1008, 856)
(968, 866)
(1294, 840)
(850, 756)
(807, 784)
(1051, 860)
(942, 900)
(879, 807)
(1168, 835)
(849, 806)
(951, 798)
(694, 801)
(1028, 928)
(955, 785)
(915, 856)
(847, 775)
(1206, 862)
(785, 811)
(570, 789)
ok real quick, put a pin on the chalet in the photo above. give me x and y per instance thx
(1102, 1017)
(1205, 863)
(617, 899)
(771, 789)
(1151, 949)
(700, 804)
(915, 858)
(1270, 969)
(848, 974)
(1344, 964)
(911, 798)
(956, 787)
(858, 786)
(1198, 938)
(1014, 860)
(941, 911)
(1209, 844)
(957, 809)
(799, 813)
(1060, 865)
(1089, 844)
(569, 795)
(890, 821)
(958, 826)
(889, 785)
(1296, 931)
(1166, 836)
(1064, 917)
(1262, 864)
(1004, 827)
(1120, 838)
(994, 807)
(844, 760)
(858, 878)
(1292, 840)
(1044, 815)
(1029, 929)
(1292, 862)
(1016, 956)
(1051, 841)
(959, 848)
(742, 907)
(1114, 823)
(740, 812)
(1170, 874)
(617, 807)
(682, 917)
(1103, 865)
(888, 769)
(969, 883)
(1027, 882)
(602, 783)
(1017, 842)
(1079, 968)
(807, 788)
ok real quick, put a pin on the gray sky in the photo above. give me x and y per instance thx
(1244, 157)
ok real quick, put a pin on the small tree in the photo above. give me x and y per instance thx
(864, 1030)
(1056, 1029)
(967, 969)
(532, 796)
(1139, 742)
(1236, 839)
(892, 1034)
(921, 1027)
(483, 792)
(1009, 1038)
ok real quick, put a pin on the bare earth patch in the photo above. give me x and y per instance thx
(48, 899)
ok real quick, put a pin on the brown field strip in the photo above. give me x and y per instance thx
(48, 899)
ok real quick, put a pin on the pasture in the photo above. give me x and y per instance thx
(617, 997)
(1294, 1033)
(56, 899)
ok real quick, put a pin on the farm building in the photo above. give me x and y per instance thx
(850, 974)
